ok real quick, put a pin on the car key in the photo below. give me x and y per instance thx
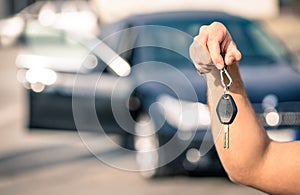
(226, 108)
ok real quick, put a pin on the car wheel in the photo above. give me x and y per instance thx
(146, 143)
(127, 141)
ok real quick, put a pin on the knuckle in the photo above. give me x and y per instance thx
(218, 29)
(213, 43)
(217, 24)
(197, 39)
(239, 55)
(202, 29)
(211, 40)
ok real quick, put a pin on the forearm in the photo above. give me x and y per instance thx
(244, 153)
(252, 158)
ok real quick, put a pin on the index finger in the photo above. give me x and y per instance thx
(213, 46)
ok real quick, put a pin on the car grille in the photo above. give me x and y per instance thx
(285, 119)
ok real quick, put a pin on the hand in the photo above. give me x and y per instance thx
(207, 47)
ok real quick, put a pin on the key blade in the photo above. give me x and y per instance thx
(226, 136)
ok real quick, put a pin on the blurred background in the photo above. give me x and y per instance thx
(58, 162)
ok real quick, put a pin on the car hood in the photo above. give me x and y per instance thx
(280, 80)
(154, 80)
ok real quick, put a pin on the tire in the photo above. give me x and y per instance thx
(146, 143)
(127, 141)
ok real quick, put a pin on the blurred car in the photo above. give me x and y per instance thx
(52, 43)
(52, 36)
(164, 94)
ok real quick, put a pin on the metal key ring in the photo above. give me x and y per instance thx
(226, 86)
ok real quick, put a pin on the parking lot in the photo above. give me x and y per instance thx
(48, 162)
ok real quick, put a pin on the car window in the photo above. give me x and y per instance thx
(167, 45)
(256, 45)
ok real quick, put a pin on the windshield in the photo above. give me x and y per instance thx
(256, 45)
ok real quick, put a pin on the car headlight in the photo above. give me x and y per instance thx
(185, 115)
(36, 78)
(41, 75)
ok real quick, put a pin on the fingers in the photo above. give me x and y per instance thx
(215, 52)
(212, 41)
(203, 36)
(199, 52)
(200, 57)
(232, 54)
(218, 40)
(212, 45)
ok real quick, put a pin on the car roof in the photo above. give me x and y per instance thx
(168, 16)
(153, 18)
(163, 18)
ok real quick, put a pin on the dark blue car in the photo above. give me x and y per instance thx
(155, 97)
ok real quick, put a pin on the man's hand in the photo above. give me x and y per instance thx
(215, 39)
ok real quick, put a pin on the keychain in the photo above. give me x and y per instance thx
(226, 108)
